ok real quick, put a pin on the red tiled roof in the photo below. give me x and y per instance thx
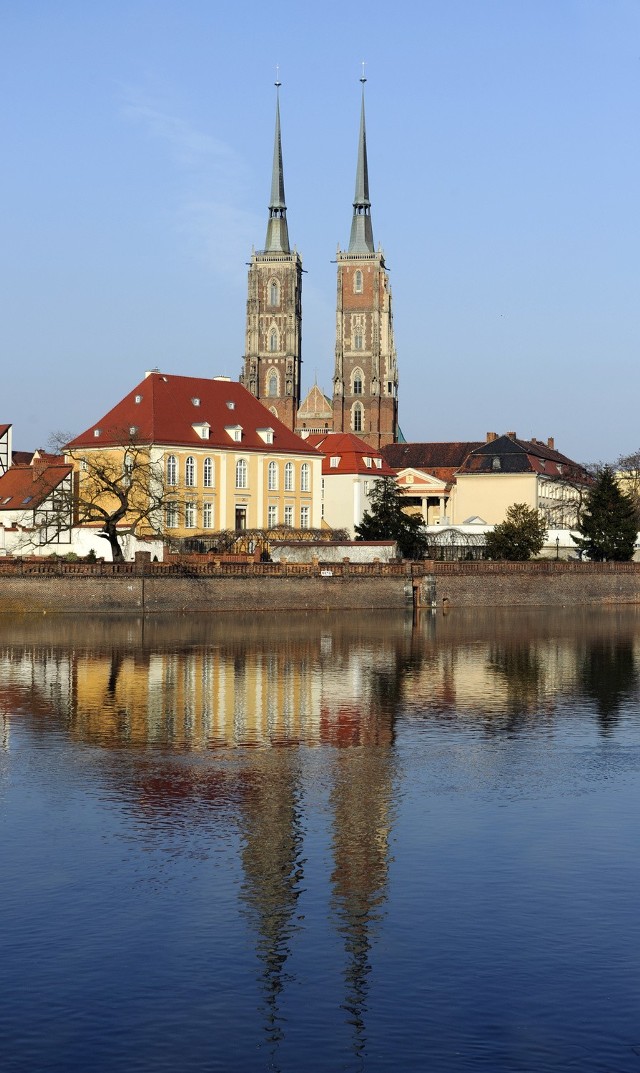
(25, 487)
(21, 458)
(506, 454)
(351, 451)
(3, 429)
(441, 460)
(167, 410)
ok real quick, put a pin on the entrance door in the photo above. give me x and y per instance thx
(241, 517)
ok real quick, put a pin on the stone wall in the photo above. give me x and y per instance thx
(536, 584)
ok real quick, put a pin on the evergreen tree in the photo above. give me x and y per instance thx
(608, 524)
(519, 536)
(387, 520)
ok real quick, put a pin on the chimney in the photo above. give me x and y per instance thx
(491, 436)
(39, 467)
(551, 443)
(511, 435)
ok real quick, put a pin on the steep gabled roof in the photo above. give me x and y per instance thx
(25, 487)
(163, 410)
(352, 452)
(508, 454)
(315, 405)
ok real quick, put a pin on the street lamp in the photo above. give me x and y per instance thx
(557, 548)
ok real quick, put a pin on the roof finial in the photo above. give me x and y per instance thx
(277, 82)
(363, 77)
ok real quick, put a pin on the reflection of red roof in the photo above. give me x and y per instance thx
(351, 451)
(163, 409)
(25, 487)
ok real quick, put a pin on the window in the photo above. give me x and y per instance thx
(272, 476)
(357, 418)
(172, 470)
(378, 462)
(171, 515)
(190, 515)
(357, 339)
(357, 382)
(208, 473)
(207, 515)
(273, 341)
(241, 473)
(241, 517)
(367, 462)
(272, 385)
(357, 282)
(274, 293)
(495, 463)
(334, 461)
(288, 515)
(288, 477)
(304, 477)
(272, 517)
(304, 517)
(190, 472)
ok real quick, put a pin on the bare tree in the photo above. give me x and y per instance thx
(121, 490)
(627, 469)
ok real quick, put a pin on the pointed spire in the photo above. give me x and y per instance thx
(361, 240)
(277, 240)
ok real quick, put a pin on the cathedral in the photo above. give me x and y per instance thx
(364, 392)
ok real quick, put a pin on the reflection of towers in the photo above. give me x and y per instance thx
(361, 801)
(272, 865)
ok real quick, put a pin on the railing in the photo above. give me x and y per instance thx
(189, 568)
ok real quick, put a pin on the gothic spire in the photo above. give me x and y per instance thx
(277, 231)
(361, 240)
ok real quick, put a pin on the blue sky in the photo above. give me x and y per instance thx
(504, 165)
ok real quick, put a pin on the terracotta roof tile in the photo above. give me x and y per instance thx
(25, 487)
(351, 451)
(163, 408)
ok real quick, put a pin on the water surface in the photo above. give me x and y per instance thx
(320, 842)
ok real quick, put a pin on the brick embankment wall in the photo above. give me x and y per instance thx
(84, 594)
(536, 584)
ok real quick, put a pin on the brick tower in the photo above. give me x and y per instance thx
(273, 348)
(365, 381)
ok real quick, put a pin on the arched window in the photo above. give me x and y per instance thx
(272, 477)
(357, 382)
(273, 340)
(190, 472)
(272, 385)
(357, 282)
(274, 293)
(357, 339)
(357, 418)
(172, 470)
(304, 477)
(288, 477)
(208, 473)
(241, 473)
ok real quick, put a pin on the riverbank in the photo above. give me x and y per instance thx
(49, 587)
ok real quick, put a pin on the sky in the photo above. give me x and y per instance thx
(504, 170)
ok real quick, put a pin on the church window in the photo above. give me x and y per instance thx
(172, 470)
(304, 477)
(357, 382)
(190, 472)
(272, 479)
(273, 341)
(357, 418)
(357, 339)
(288, 477)
(208, 473)
(241, 473)
(272, 385)
(274, 293)
(357, 282)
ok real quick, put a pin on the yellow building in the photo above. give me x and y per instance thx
(215, 457)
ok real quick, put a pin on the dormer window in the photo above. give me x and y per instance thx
(133, 430)
(96, 432)
(378, 462)
(235, 432)
(334, 461)
(231, 405)
(196, 401)
(495, 464)
(138, 399)
(202, 429)
(265, 434)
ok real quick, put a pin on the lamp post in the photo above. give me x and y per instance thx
(557, 548)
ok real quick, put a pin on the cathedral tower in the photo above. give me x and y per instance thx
(365, 381)
(273, 349)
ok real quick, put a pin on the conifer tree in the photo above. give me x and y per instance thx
(608, 524)
(519, 536)
(387, 520)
